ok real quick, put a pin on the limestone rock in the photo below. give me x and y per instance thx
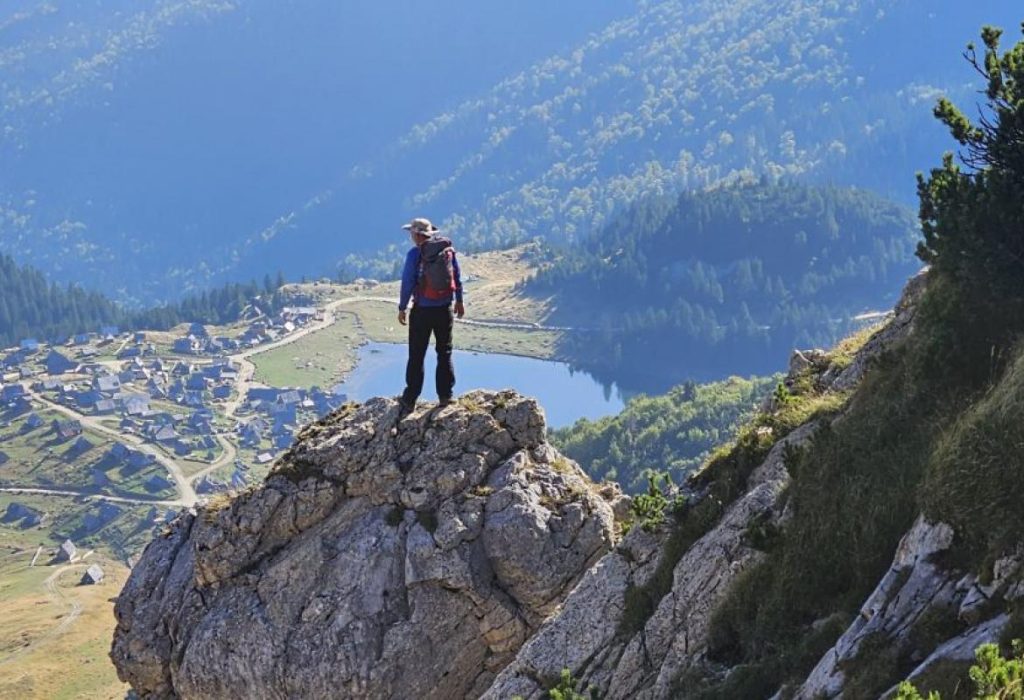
(912, 584)
(382, 558)
(602, 642)
(640, 659)
(917, 587)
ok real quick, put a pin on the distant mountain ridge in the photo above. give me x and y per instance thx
(174, 176)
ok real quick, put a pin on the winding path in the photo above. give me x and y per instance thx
(59, 598)
(182, 482)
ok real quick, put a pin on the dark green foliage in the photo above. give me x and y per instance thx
(216, 306)
(874, 668)
(395, 516)
(993, 676)
(975, 479)
(728, 279)
(672, 433)
(972, 220)
(852, 498)
(428, 520)
(650, 509)
(32, 307)
(974, 238)
(760, 680)
(947, 679)
(878, 664)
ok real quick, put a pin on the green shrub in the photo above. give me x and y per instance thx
(975, 478)
(690, 523)
(566, 689)
(649, 509)
(994, 677)
(853, 494)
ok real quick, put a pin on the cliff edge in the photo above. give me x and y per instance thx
(381, 558)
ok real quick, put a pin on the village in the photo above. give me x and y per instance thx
(146, 422)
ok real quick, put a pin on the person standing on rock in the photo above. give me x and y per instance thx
(432, 280)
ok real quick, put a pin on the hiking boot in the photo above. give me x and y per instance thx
(444, 401)
(405, 407)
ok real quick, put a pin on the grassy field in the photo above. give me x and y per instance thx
(490, 280)
(39, 460)
(319, 359)
(36, 457)
(380, 324)
(120, 534)
(54, 633)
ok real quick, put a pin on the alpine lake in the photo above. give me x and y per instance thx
(565, 395)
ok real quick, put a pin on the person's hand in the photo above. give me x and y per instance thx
(460, 310)
(401, 317)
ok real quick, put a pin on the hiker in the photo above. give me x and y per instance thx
(432, 279)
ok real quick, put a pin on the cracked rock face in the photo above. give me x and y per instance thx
(587, 636)
(382, 558)
(916, 587)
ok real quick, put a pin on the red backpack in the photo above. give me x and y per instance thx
(437, 272)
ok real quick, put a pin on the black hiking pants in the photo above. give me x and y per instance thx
(424, 320)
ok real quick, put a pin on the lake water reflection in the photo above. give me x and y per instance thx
(565, 395)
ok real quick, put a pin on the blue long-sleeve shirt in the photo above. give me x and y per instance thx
(411, 279)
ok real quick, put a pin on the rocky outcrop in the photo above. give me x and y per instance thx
(920, 596)
(382, 558)
(898, 327)
(454, 554)
(597, 637)
(593, 636)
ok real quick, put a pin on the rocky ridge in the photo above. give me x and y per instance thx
(649, 659)
(456, 554)
(382, 558)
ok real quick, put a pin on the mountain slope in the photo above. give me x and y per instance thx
(145, 141)
(680, 95)
(728, 280)
(128, 155)
(864, 528)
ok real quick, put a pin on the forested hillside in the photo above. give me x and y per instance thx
(728, 280)
(934, 428)
(222, 305)
(32, 307)
(296, 157)
(678, 96)
(672, 433)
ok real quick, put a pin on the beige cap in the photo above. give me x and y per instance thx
(421, 226)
